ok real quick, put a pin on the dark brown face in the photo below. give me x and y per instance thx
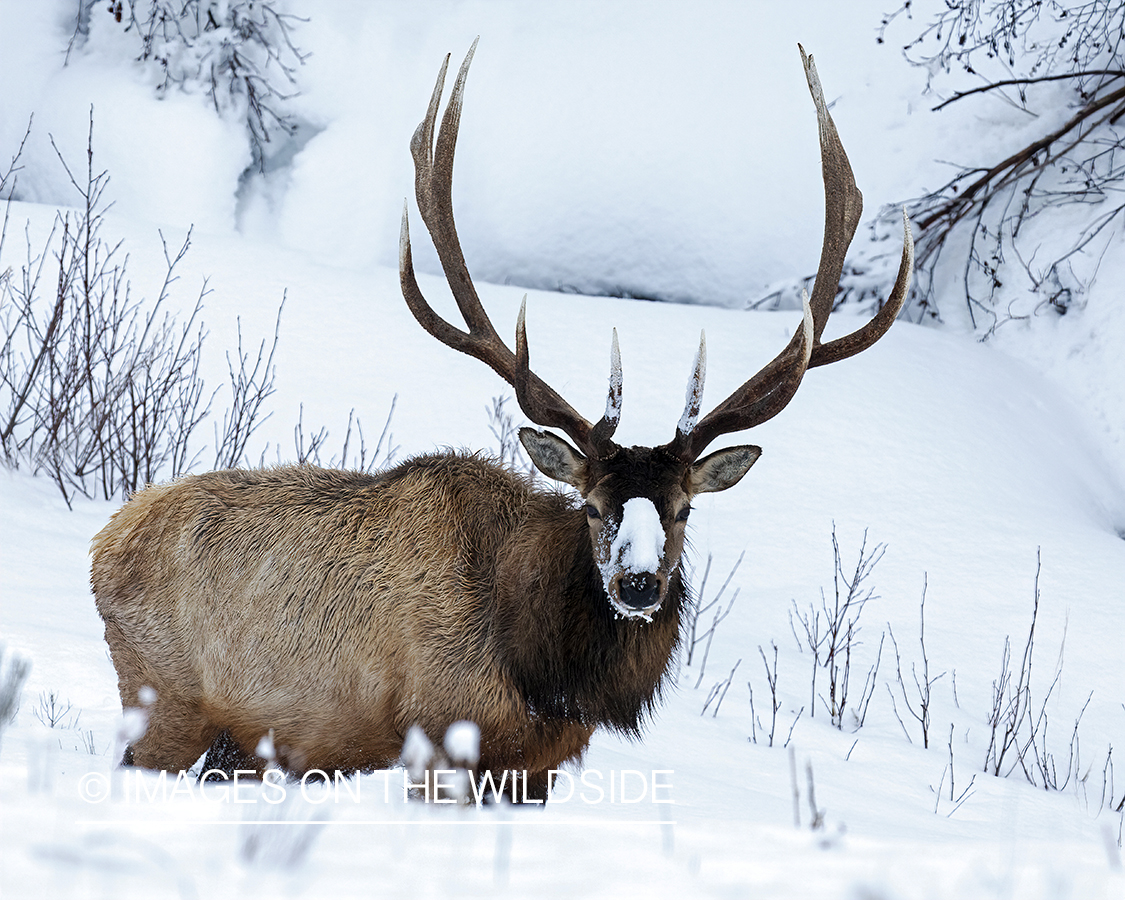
(637, 508)
(637, 503)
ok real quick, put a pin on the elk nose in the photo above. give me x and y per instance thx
(639, 591)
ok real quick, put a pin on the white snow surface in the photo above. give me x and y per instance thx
(639, 148)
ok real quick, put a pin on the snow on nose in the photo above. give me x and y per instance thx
(634, 554)
(638, 545)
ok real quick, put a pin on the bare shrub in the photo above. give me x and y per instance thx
(719, 691)
(816, 814)
(99, 391)
(94, 390)
(1018, 723)
(833, 639)
(358, 458)
(923, 683)
(696, 609)
(509, 450)
(775, 702)
(53, 711)
(958, 800)
(250, 388)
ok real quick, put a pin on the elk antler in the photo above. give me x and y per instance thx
(767, 393)
(433, 184)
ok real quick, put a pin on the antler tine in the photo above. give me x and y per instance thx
(757, 400)
(433, 184)
(604, 428)
(693, 397)
(433, 188)
(843, 206)
(864, 337)
(843, 203)
(553, 411)
(767, 393)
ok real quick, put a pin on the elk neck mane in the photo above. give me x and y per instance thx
(543, 616)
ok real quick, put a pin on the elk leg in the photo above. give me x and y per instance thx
(177, 731)
(176, 736)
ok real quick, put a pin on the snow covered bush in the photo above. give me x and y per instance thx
(1024, 233)
(238, 53)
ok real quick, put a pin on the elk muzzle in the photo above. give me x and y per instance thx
(640, 591)
(633, 569)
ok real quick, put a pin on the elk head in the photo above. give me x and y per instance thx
(637, 499)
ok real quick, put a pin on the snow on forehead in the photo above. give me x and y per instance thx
(639, 543)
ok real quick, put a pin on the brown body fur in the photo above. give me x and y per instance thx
(341, 608)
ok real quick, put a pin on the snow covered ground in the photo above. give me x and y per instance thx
(638, 150)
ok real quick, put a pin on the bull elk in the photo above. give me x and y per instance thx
(340, 608)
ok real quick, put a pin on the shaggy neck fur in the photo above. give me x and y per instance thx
(556, 634)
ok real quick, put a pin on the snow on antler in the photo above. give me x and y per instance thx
(613, 401)
(693, 400)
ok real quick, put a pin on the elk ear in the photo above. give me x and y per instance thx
(723, 468)
(554, 457)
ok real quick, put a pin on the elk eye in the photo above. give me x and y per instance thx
(682, 515)
(592, 511)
